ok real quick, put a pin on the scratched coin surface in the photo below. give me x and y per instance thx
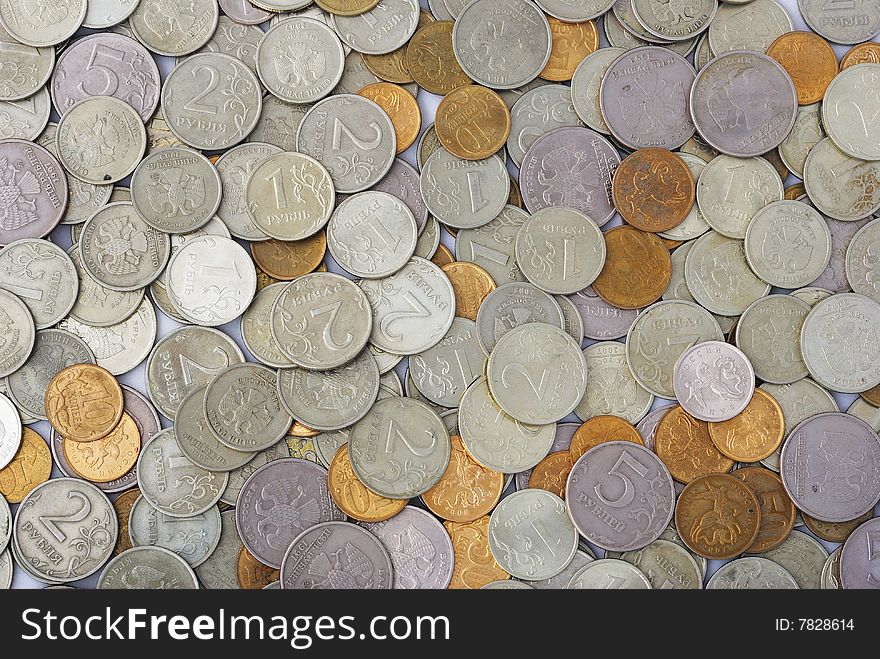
(538, 111)
(839, 185)
(751, 573)
(653, 190)
(862, 265)
(611, 387)
(637, 268)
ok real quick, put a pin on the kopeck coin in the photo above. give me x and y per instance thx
(809, 60)
(474, 564)
(353, 497)
(600, 429)
(83, 402)
(685, 446)
(835, 531)
(431, 60)
(637, 268)
(753, 434)
(472, 122)
(778, 511)
(30, 466)
(123, 505)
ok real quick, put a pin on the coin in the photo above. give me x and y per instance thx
(5, 526)
(474, 564)
(30, 466)
(278, 124)
(539, 111)
(809, 60)
(10, 431)
(751, 573)
(753, 434)
(251, 574)
(402, 109)
(147, 568)
(609, 573)
(443, 256)
(668, 565)
(431, 61)
(863, 53)
(287, 260)
(472, 122)
(353, 498)
(486, 181)
(831, 571)
(27, 117)
(238, 477)
(107, 459)
(777, 509)
(637, 268)
(653, 190)
(872, 395)
(599, 430)
(805, 134)
(20, 333)
(198, 443)
(84, 402)
(33, 67)
(835, 531)
(471, 284)
(836, 182)
(842, 23)
(713, 381)
(856, 557)
(123, 505)
(35, 26)
(647, 427)
(193, 538)
(611, 388)
(585, 85)
(600, 319)
(685, 446)
(217, 571)
(861, 254)
(803, 557)
(768, 333)
(491, 246)
(570, 44)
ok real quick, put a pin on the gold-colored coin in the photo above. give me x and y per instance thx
(795, 190)
(600, 429)
(653, 189)
(431, 60)
(286, 260)
(442, 256)
(31, 466)
(84, 402)
(474, 566)
(687, 450)
(872, 396)
(637, 268)
(253, 575)
(108, 458)
(390, 67)
(123, 505)
(401, 107)
(472, 122)
(570, 44)
(552, 472)
(302, 448)
(809, 60)
(778, 511)
(671, 244)
(515, 196)
(263, 279)
(471, 285)
(717, 516)
(344, 7)
(298, 429)
(863, 53)
(353, 497)
(467, 490)
(835, 531)
(753, 434)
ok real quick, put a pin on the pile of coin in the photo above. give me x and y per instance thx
(576, 333)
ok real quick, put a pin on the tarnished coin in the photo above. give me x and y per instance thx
(464, 194)
(27, 117)
(609, 574)
(644, 98)
(806, 133)
(123, 505)
(198, 443)
(10, 431)
(863, 261)
(685, 446)
(538, 111)
(600, 429)
(353, 497)
(41, 25)
(653, 190)
(238, 477)
(713, 381)
(751, 573)
(803, 557)
(723, 117)
(857, 556)
(251, 574)
(147, 568)
(602, 320)
(278, 123)
(37, 191)
(778, 511)
(443, 372)
(472, 122)
(620, 496)
(840, 186)
(829, 467)
(218, 570)
(194, 538)
(169, 37)
(284, 260)
(50, 521)
(431, 60)
(83, 402)
(470, 284)
(835, 531)
(769, 333)
(32, 68)
(667, 564)
(747, 26)
(753, 434)
(502, 59)
(842, 22)
(611, 388)
(809, 60)
(831, 571)
(637, 268)
(30, 466)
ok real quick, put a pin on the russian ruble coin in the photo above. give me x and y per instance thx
(862, 262)
(429, 240)
(622, 10)
(19, 330)
(10, 440)
(847, 100)
(256, 328)
(196, 440)
(25, 118)
(447, 10)
(232, 38)
(788, 244)
(703, 53)
(751, 573)
(33, 67)
(492, 245)
(37, 187)
(218, 570)
(830, 577)
(235, 168)
(609, 573)
(102, 14)
(100, 139)
(611, 388)
(643, 118)
(601, 320)
(147, 568)
(833, 279)
(172, 483)
(402, 181)
(498, 441)
(572, 323)
(327, 443)
(769, 332)
(668, 565)
(806, 133)
(382, 29)
(713, 381)
(159, 25)
(5, 524)
(618, 35)
(751, 26)
(355, 74)
(675, 24)
(41, 25)
(444, 371)
(866, 412)
(647, 427)
(51, 516)
(277, 124)
(585, 84)
(412, 391)
(575, 12)
(238, 477)
(211, 101)
(716, 101)
(844, 23)
(159, 135)
(856, 557)
(536, 113)
(812, 295)
(803, 557)
(194, 538)
(444, 179)
(718, 275)
(516, 542)
(510, 306)
(562, 579)
(53, 351)
(731, 191)
(127, 72)
(176, 190)
(841, 186)
(385, 360)
(836, 343)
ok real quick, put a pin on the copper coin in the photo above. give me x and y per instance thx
(442, 256)
(835, 531)
(637, 268)
(753, 434)
(872, 396)
(123, 505)
(570, 43)
(653, 189)
(287, 260)
(401, 107)
(514, 198)
(346, 7)
(467, 490)
(352, 497)
(863, 53)
(552, 472)
(717, 516)
(31, 466)
(253, 575)
(474, 564)
(390, 67)
(300, 430)
(600, 429)
(471, 284)
(809, 60)
(794, 191)
(472, 122)
(108, 458)
(684, 444)
(778, 511)
(84, 402)
(431, 60)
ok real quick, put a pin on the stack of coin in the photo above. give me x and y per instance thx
(449, 296)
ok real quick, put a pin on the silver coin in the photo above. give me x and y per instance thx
(561, 442)
(235, 167)
(218, 570)
(868, 413)
(812, 295)
(159, 295)
(101, 139)
(644, 98)
(327, 443)
(856, 558)
(731, 191)
(5, 523)
(498, 441)
(464, 194)
(65, 530)
(429, 240)
(198, 443)
(38, 25)
(19, 330)
(609, 574)
(385, 360)
(109, 14)
(211, 101)
(713, 381)
(623, 11)
(841, 186)
(355, 74)
(838, 345)
(413, 392)
(511, 305)
(806, 133)
(279, 501)
(617, 34)
(507, 51)
(834, 279)
(443, 372)
(507, 584)
(654, 343)
(750, 26)
(106, 65)
(10, 441)
(611, 387)
(256, 328)
(412, 309)
(802, 557)
(585, 85)
(842, 22)
(677, 289)
(694, 225)
(194, 538)
(426, 145)
(321, 321)
(245, 13)
(175, 190)
(830, 577)
(53, 351)
(26, 118)
(536, 113)
(647, 427)
(751, 573)
(386, 27)
(37, 189)
(717, 97)
(150, 568)
(667, 565)
(409, 433)
(231, 38)
(676, 24)
(352, 137)
(492, 245)
(97, 305)
(330, 400)
(238, 477)
(6, 569)
(531, 535)
(174, 27)
(601, 320)
(172, 483)
(719, 277)
(572, 323)
(769, 334)
(32, 68)
(402, 181)
(561, 580)
(863, 261)
(278, 123)
(159, 135)
(703, 53)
